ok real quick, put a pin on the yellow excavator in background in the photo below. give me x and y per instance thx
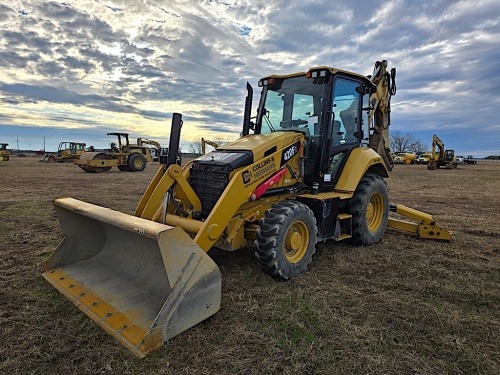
(309, 167)
(441, 158)
(127, 157)
(205, 142)
(144, 141)
(4, 153)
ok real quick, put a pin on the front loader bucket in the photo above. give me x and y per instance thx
(142, 281)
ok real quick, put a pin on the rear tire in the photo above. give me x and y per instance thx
(286, 238)
(136, 162)
(369, 210)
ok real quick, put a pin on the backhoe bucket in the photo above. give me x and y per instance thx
(142, 281)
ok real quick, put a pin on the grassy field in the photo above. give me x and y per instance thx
(404, 306)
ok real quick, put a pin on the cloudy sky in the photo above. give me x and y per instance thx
(75, 70)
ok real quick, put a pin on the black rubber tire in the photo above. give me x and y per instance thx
(136, 162)
(370, 210)
(282, 226)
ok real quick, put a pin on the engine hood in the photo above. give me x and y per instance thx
(262, 145)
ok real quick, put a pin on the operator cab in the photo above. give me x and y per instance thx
(325, 104)
(123, 144)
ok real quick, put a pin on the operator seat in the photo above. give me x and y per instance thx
(348, 117)
(336, 133)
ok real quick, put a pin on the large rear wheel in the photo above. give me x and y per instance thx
(286, 239)
(370, 210)
(136, 162)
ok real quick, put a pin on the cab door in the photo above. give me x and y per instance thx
(345, 130)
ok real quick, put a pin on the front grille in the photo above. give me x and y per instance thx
(209, 182)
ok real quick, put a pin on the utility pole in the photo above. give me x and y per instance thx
(17, 139)
(43, 144)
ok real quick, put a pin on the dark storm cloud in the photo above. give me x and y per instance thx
(5, 12)
(30, 40)
(71, 62)
(13, 59)
(59, 95)
(218, 117)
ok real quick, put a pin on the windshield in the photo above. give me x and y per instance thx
(291, 104)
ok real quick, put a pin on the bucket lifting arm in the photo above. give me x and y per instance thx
(426, 228)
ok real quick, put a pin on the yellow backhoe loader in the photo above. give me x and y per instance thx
(4, 153)
(309, 167)
(67, 152)
(441, 158)
(205, 142)
(127, 157)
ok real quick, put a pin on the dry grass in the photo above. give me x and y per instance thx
(402, 306)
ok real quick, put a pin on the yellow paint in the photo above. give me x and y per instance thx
(359, 161)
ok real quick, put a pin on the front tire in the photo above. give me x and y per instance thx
(370, 210)
(286, 239)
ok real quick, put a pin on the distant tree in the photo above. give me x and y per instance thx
(195, 146)
(406, 142)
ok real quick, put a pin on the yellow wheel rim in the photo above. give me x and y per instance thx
(137, 163)
(296, 242)
(375, 212)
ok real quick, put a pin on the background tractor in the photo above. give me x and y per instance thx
(4, 153)
(67, 152)
(309, 167)
(124, 155)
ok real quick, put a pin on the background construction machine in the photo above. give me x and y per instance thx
(67, 152)
(425, 157)
(405, 158)
(126, 156)
(441, 158)
(4, 153)
(469, 160)
(156, 151)
(309, 167)
(205, 142)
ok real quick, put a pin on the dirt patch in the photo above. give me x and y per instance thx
(402, 306)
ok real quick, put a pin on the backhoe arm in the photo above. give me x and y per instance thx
(380, 110)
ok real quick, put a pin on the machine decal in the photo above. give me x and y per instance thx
(259, 171)
(263, 167)
(290, 152)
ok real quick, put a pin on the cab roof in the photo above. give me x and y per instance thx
(322, 67)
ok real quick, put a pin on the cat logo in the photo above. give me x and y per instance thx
(246, 177)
